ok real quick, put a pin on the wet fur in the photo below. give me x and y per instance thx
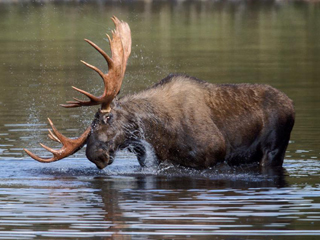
(197, 124)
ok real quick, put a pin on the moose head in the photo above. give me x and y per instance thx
(100, 152)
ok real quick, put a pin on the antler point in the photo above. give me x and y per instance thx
(50, 121)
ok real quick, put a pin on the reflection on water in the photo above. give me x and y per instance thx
(274, 42)
(74, 199)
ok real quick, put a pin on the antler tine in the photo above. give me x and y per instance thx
(94, 68)
(62, 138)
(79, 103)
(120, 45)
(125, 35)
(54, 152)
(93, 99)
(39, 159)
(106, 56)
(69, 147)
(53, 136)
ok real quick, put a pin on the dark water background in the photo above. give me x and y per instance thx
(41, 43)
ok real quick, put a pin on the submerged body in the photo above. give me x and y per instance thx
(196, 124)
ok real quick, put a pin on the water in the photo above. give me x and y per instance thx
(274, 42)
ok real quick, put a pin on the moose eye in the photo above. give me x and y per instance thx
(107, 118)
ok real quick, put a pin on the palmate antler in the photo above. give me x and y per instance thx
(69, 147)
(120, 45)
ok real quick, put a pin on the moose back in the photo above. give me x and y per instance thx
(180, 119)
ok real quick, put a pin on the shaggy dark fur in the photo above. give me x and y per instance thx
(196, 124)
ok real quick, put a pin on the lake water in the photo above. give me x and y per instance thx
(41, 45)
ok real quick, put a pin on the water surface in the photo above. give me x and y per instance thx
(273, 42)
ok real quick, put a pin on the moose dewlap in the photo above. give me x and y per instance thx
(182, 119)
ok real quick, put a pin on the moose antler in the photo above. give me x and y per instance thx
(120, 45)
(69, 147)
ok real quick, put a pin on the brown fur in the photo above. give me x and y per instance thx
(196, 124)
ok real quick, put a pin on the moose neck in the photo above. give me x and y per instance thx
(143, 121)
(136, 118)
(136, 124)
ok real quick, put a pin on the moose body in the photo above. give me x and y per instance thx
(196, 124)
(180, 119)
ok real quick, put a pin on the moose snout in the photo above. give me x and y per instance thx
(100, 158)
(99, 154)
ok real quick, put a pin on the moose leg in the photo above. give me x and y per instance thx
(140, 151)
(145, 153)
(275, 148)
(274, 157)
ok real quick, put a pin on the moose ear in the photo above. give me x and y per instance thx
(107, 118)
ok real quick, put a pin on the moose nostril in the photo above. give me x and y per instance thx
(102, 160)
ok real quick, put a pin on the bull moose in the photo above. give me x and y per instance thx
(182, 119)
